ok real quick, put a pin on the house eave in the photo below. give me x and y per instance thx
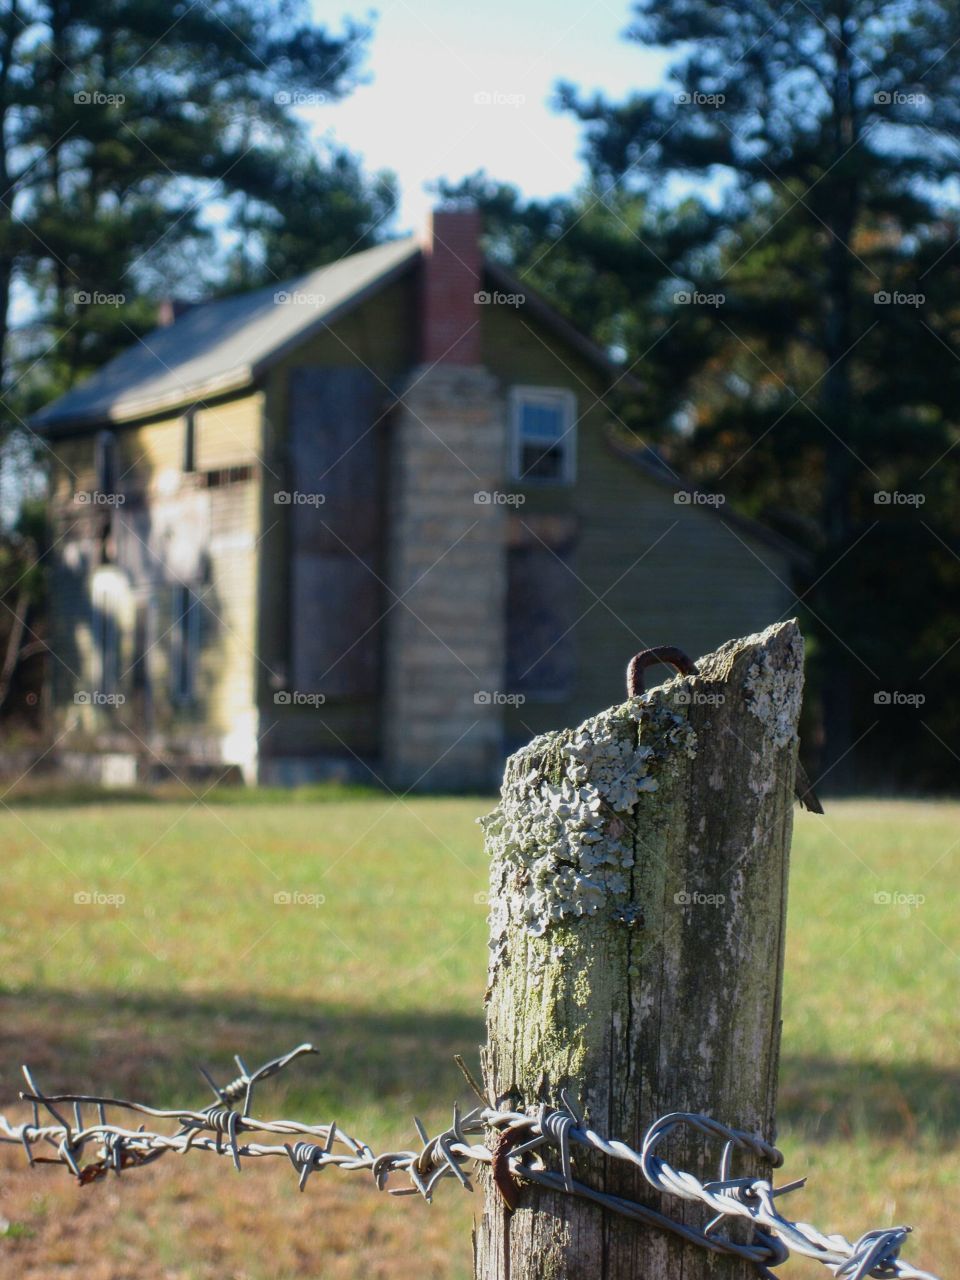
(245, 377)
(126, 411)
(541, 309)
(238, 379)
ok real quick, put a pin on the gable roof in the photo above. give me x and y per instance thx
(226, 344)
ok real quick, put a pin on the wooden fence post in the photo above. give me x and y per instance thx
(638, 896)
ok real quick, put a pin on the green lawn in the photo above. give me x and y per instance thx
(386, 976)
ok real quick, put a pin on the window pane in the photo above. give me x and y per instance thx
(541, 421)
(541, 462)
(544, 437)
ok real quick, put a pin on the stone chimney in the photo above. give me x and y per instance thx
(445, 647)
(452, 277)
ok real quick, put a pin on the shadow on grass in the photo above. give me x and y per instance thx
(147, 1047)
(829, 1101)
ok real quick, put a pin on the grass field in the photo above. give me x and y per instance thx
(386, 976)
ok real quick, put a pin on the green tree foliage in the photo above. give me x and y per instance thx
(820, 141)
(123, 124)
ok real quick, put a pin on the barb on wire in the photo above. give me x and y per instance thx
(514, 1143)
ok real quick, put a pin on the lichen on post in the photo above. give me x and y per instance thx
(637, 907)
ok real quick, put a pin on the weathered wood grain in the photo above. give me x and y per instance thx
(638, 897)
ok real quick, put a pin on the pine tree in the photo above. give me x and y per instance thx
(825, 135)
(137, 137)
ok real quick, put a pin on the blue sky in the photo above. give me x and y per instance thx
(416, 111)
(427, 61)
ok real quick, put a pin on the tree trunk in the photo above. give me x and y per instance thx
(838, 411)
(638, 897)
(11, 658)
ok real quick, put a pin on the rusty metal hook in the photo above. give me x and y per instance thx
(674, 657)
(665, 653)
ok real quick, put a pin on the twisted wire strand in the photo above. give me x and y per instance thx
(222, 1130)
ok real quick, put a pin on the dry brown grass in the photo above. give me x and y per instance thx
(388, 979)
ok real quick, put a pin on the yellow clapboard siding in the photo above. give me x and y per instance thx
(228, 435)
(667, 573)
(147, 451)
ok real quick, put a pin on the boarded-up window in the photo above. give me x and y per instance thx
(335, 502)
(541, 603)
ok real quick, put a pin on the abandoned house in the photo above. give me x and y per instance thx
(377, 519)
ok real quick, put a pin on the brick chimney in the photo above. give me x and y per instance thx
(452, 275)
(171, 309)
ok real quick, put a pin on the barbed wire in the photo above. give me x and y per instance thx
(515, 1147)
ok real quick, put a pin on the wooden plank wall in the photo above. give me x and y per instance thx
(336, 596)
(642, 569)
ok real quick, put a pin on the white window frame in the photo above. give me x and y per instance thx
(565, 398)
